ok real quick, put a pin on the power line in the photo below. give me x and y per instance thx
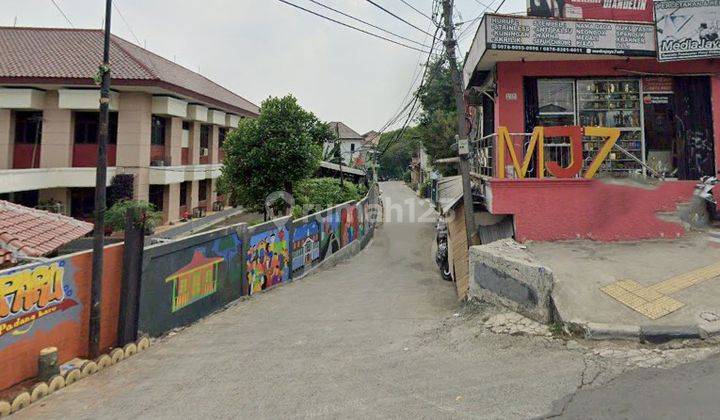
(57, 6)
(126, 23)
(352, 27)
(413, 108)
(367, 23)
(397, 17)
(417, 10)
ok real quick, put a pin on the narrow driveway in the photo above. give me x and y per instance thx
(376, 337)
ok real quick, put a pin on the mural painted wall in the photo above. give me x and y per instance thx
(330, 235)
(186, 280)
(305, 246)
(48, 304)
(268, 259)
(350, 228)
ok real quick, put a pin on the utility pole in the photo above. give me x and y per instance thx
(100, 190)
(463, 147)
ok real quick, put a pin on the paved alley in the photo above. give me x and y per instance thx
(373, 337)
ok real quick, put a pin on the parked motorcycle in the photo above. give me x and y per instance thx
(704, 191)
(441, 258)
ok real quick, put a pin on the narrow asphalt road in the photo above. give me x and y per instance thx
(375, 337)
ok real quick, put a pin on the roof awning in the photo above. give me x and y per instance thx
(516, 38)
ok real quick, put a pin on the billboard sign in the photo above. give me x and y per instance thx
(621, 10)
(687, 30)
(514, 33)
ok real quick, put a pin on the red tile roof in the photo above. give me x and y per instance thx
(72, 56)
(34, 233)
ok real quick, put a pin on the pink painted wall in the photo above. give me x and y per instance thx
(510, 113)
(563, 209)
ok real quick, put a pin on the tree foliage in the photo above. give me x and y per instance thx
(272, 152)
(396, 160)
(436, 125)
(142, 211)
(315, 194)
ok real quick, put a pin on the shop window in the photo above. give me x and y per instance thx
(28, 127)
(87, 125)
(159, 129)
(556, 102)
(183, 193)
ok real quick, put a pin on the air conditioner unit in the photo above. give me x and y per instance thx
(204, 151)
(157, 163)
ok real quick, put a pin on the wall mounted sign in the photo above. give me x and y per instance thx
(621, 10)
(517, 33)
(687, 30)
(657, 84)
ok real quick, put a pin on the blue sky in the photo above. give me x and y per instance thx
(259, 48)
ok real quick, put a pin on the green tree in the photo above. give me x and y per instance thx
(438, 119)
(398, 153)
(272, 152)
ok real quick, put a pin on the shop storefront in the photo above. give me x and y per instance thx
(529, 72)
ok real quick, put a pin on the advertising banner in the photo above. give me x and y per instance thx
(621, 10)
(687, 30)
(569, 36)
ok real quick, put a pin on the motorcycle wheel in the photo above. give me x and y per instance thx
(445, 272)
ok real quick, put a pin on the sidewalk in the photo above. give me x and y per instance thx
(652, 290)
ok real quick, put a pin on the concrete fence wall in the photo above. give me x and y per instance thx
(47, 304)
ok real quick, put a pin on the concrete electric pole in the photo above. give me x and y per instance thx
(100, 190)
(463, 146)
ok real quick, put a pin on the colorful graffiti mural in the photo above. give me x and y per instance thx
(330, 234)
(306, 246)
(30, 295)
(188, 279)
(268, 259)
(349, 228)
(195, 281)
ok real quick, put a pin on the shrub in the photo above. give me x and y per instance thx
(316, 194)
(115, 216)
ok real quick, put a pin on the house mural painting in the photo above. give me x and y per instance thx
(268, 259)
(37, 297)
(194, 281)
(306, 246)
(185, 280)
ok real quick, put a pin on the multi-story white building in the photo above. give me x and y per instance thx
(350, 143)
(167, 123)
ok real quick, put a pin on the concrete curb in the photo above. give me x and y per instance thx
(655, 334)
(72, 374)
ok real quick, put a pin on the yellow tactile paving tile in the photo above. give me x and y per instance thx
(653, 301)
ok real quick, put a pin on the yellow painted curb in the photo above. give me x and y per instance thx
(89, 368)
(130, 349)
(40, 390)
(103, 361)
(117, 355)
(143, 344)
(5, 408)
(73, 376)
(56, 383)
(21, 401)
